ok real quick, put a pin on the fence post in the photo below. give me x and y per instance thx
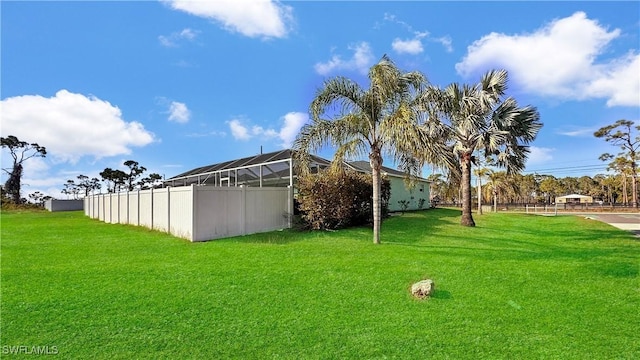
(243, 207)
(169, 210)
(194, 206)
(151, 208)
(290, 206)
(138, 210)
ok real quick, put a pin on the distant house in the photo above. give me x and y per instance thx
(277, 169)
(574, 199)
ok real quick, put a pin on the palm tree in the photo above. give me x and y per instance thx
(375, 122)
(476, 117)
(499, 183)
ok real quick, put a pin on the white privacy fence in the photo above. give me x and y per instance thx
(197, 213)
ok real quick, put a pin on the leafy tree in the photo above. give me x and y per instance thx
(528, 187)
(569, 185)
(39, 198)
(621, 166)
(550, 187)
(71, 189)
(151, 181)
(437, 187)
(88, 185)
(498, 184)
(477, 118)
(135, 171)
(357, 121)
(115, 179)
(20, 151)
(84, 186)
(620, 134)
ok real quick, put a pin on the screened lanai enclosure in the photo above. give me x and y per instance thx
(274, 169)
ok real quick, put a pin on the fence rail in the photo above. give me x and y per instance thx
(197, 213)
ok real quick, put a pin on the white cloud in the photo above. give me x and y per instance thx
(239, 131)
(72, 125)
(293, 121)
(619, 82)
(415, 45)
(560, 60)
(291, 124)
(179, 112)
(412, 46)
(259, 130)
(446, 42)
(252, 18)
(539, 155)
(581, 132)
(361, 61)
(173, 39)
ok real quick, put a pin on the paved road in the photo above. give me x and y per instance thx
(625, 221)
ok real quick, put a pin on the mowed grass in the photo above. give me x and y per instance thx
(515, 287)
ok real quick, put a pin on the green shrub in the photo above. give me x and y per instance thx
(336, 200)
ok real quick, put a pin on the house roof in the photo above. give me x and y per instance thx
(247, 161)
(365, 166)
(282, 155)
(575, 196)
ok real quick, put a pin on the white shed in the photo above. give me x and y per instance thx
(574, 199)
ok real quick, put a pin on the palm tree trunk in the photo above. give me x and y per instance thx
(479, 195)
(466, 219)
(495, 201)
(375, 160)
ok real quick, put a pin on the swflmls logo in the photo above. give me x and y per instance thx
(29, 350)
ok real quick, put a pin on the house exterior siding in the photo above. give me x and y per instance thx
(401, 192)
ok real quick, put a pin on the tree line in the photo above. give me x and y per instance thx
(498, 187)
(115, 180)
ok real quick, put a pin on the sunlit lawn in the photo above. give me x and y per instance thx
(515, 287)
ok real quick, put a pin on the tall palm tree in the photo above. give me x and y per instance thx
(376, 121)
(477, 117)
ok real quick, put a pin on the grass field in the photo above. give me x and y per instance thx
(515, 287)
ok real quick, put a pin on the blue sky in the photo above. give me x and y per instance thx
(176, 85)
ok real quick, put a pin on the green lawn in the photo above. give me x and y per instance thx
(515, 287)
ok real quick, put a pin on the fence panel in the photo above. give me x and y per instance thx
(123, 208)
(218, 212)
(146, 208)
(133, 207)
(181, 212)
(115, 209)
(161, 209)
(266, 209)
(197, 213)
